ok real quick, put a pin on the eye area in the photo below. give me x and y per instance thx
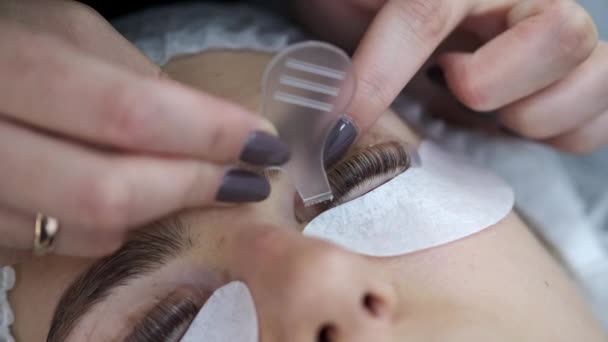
(359, 172)
(169, 320)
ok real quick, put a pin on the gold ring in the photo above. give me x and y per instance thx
(44, 235)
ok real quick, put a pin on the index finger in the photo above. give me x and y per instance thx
(54, 87)
(399, 40)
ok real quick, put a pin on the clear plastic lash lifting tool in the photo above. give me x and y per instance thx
(306, 89)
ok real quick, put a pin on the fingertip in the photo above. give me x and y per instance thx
(243, 186)
(264, 149)
(364, 113)
(373, 96)
(449, 59)
(463, 82)
(267, 126)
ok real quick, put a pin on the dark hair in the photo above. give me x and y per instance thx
(148, 250)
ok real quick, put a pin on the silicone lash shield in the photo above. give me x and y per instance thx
(306, 89)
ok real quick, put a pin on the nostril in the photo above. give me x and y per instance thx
(326, 333)
(373, 305)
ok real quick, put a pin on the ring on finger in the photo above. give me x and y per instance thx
(45, 232)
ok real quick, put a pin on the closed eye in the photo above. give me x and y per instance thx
(169, 320)
(360, 172)
(367, 168)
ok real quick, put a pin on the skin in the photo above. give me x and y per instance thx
(558, 98)
(89, 88)
(83, 104)
(498, 285)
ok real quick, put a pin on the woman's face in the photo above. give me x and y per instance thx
(304, 289)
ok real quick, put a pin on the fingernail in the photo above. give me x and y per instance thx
(269, 127)
(339, 140)
(437, 76)
(240, 186)
(265, 149)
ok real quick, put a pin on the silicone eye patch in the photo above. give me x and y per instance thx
(442, 200)
(228, 315)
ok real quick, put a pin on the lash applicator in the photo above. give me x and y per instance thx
(306, 89)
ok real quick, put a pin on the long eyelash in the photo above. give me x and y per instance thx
(167, 322)
(365, 165)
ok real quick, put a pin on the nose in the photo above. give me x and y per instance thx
(334, 297)
(316, 292)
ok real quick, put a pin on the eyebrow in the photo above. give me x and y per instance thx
(149, 249)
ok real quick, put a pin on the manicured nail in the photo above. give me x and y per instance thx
(339, 141)
(436, 75)
(268, 127)
(240, 186)
(265, 149)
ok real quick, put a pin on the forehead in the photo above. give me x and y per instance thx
(233, 75)
(237, 75)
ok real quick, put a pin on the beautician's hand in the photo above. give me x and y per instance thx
(91, 135)
(541, 66)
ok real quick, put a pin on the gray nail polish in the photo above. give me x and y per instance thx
(240, 186)
(265, 149)
(339, 141)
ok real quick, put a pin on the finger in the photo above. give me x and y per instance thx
(10, 257)
(544, 42)
(17, 232)
(85, 187)
(77, 24)
(565, 105)
(55, 87)
(588, 138)
(401, 37)
(319, 17)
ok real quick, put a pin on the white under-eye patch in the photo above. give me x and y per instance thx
(228, 316)
(442, 200)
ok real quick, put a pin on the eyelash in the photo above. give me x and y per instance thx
(169, 320)
(366, 165)
(166, 322)
(362, 167)
(357, 171)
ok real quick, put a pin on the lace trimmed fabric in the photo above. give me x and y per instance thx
(168, 31)
(7, 281)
